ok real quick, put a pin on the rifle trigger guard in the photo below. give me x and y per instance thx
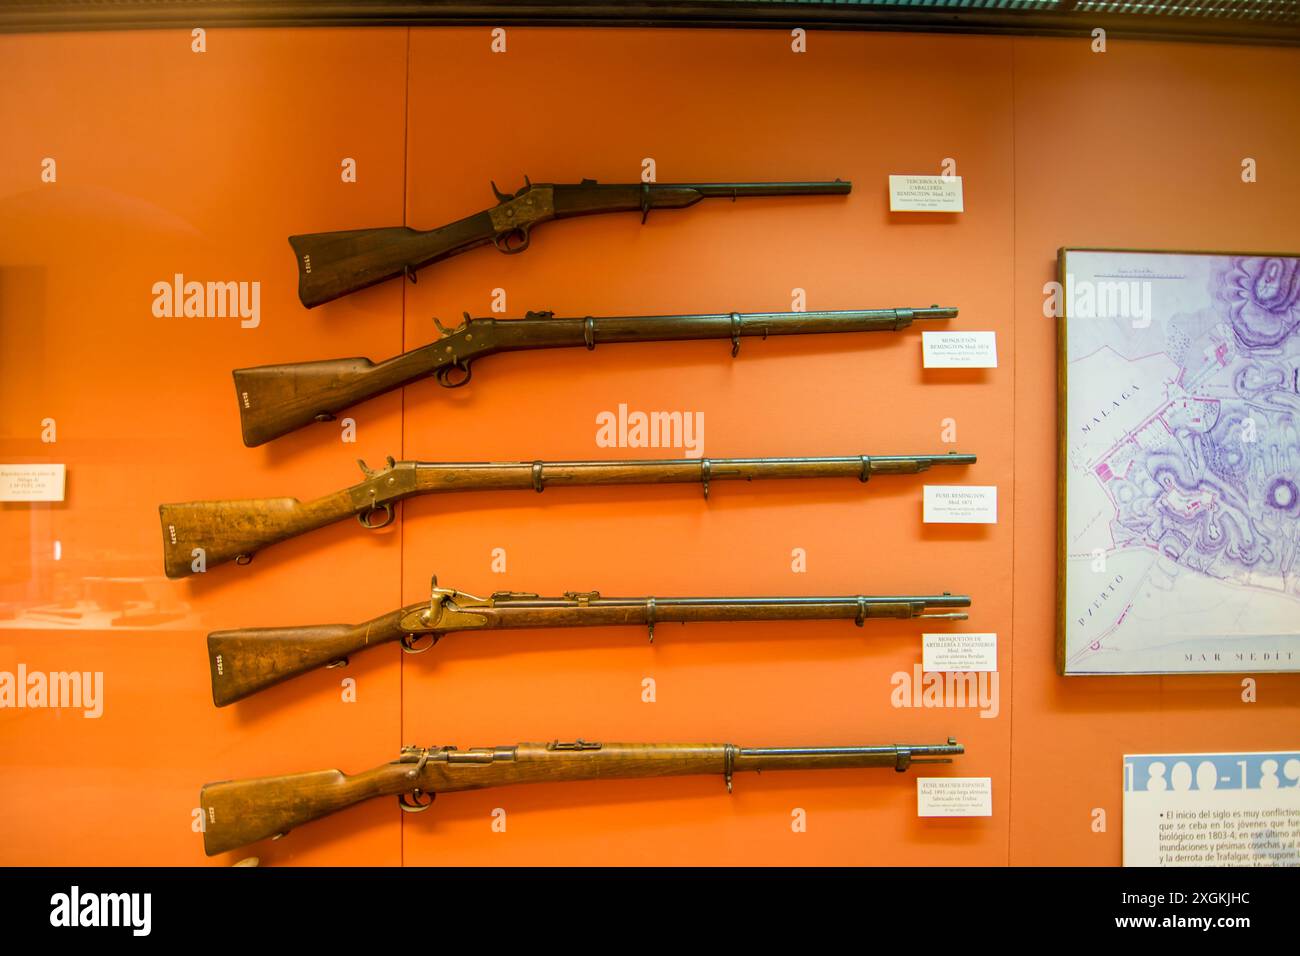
(519, 235)
(444, 373)
(367, 517)
(409, 641)
(411, 802)
(245, 558)
(737, 320)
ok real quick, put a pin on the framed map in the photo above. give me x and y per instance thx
(1179, 462)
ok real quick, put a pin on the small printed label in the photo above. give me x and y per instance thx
(925, 194)
(959, 652)
(954, 796)
(32, 482)
(221, 665)
(959, 350)
(960, 504)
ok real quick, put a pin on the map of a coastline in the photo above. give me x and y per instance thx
(1182, 524)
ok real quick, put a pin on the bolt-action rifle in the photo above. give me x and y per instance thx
(199, 534)
(277, 399)
(333, 264)
(244, 661)
(240, 812)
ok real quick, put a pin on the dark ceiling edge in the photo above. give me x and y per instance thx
(146, 15)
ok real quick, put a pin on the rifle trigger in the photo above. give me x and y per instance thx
(443, 375)
(414, 804)
(367, 518)
(409, 641)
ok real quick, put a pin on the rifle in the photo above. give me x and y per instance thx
(199, 534)
(277, 399)
(333, 264)
(239, 812)
(244, 661)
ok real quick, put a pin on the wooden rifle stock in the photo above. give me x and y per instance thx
(247, 660)
(333, 264)
(237, 813)
(277, 399)
(198, 535)
(244, 661)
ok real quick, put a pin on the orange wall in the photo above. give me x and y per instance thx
(173, 161)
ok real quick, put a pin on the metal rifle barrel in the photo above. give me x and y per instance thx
(838, 187)
(930, 600)
(544, 330)
(433, 476)
(900, 756)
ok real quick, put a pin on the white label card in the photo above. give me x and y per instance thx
(925, 194)
(959, 652)
(32, 482)
(954, 796)
(960, 504)
(959, 350)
